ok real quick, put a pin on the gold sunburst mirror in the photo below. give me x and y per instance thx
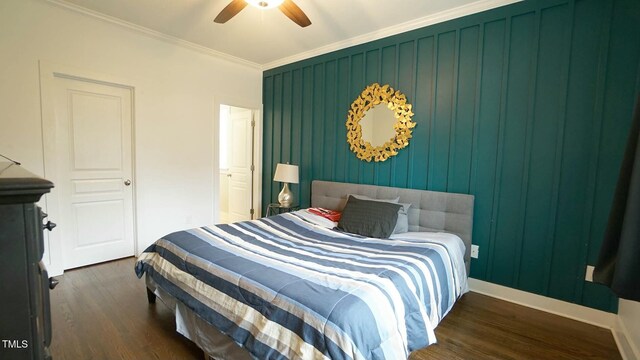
(379, 123)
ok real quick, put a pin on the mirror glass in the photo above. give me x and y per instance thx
(377, 125)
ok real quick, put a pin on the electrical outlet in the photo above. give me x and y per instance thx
(589, 275)
(474, 251)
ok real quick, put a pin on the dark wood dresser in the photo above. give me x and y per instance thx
(25, 318)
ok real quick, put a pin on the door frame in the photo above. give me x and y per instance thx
(257, 113)
(49, 71)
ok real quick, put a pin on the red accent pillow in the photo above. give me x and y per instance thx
(326, 213)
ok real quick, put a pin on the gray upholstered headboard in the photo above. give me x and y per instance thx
(429, 211)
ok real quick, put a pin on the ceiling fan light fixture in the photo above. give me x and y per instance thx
(264, 5)
(287, 7)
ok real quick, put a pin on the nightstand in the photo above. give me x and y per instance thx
(276, 208)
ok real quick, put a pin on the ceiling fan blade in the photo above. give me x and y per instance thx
(293, 12)
(230, 11)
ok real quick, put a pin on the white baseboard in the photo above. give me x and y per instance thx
(562, 308)
(539, 302)
(628, 350)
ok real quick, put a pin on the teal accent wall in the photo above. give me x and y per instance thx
(527, 107)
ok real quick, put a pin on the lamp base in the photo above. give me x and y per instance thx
(285, 198)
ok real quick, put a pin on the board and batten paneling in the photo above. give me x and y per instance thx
(526, 106)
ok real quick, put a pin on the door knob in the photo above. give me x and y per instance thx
(127, 182)
(228, 175)
(49, 225)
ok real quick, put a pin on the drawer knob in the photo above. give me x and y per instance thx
(53, 282)
(49, 225)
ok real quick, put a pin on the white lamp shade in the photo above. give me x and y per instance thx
(286, 173)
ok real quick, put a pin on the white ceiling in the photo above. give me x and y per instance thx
(266, 38)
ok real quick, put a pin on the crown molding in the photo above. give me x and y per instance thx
(460, 11)
(155, 34)
(450, 14)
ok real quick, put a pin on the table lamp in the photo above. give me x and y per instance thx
(286, 174)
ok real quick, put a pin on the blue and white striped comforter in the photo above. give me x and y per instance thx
(284, 288)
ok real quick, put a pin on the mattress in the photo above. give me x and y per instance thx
(285, 287)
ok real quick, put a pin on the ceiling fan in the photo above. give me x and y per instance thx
(288, 7)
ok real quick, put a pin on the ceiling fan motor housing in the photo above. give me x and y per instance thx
(269, 4)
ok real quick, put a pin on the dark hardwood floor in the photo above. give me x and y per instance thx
(101, 312)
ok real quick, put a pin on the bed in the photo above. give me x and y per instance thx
(287, 287)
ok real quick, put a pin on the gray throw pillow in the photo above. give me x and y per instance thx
(369, 218)
(402, 225)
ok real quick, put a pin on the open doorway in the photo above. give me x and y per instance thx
(237, 164)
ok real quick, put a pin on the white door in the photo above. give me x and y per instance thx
(93, 146)
(240, 163)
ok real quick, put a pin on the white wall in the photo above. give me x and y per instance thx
(175, 89)
(629, 316)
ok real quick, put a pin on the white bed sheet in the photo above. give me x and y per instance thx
(215, 344)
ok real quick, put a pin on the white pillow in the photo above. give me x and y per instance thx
(316, 219)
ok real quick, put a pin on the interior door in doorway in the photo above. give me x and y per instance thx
(93, 146)
(236, 159)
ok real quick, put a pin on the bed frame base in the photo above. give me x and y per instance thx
(151, 297)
